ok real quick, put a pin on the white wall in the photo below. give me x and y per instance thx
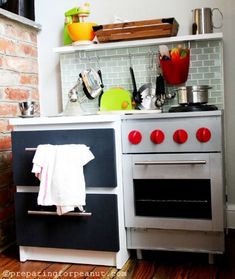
(50, 14)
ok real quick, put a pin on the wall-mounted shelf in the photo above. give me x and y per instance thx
(138, 43)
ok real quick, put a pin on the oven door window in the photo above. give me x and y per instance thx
(173, 198)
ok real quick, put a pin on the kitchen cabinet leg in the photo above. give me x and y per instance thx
(211, 258)
(23, 256)
(139, 254)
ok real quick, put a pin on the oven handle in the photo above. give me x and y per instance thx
(176, 162)
(35, 212)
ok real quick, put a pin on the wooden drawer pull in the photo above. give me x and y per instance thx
(34, 212)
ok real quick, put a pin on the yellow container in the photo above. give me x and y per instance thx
(81, 31)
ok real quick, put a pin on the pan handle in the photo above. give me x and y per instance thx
(173, 162)
(136, 93)
(35, 212)
(133, 81)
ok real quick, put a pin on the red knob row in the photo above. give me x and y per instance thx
(180, 136)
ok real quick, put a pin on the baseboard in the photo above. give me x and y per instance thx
(230, 213)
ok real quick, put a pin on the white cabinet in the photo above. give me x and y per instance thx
(99, 238)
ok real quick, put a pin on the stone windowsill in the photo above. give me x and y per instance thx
(20, 19)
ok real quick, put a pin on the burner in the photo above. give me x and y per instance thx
(193, 107)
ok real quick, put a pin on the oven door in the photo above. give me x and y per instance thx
(174, 191)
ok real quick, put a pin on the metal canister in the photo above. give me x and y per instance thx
(197, 94)
(203, 20)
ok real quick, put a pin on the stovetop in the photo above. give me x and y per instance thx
(172, 132)
(193, 107)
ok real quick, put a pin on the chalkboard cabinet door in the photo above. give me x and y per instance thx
(100, 172)
(98, 232)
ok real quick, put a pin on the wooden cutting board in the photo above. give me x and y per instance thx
(137, 30)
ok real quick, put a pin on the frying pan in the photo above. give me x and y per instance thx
(92, 83)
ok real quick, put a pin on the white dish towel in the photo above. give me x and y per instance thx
(60, 170)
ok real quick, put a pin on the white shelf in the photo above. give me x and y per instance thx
(138, 43)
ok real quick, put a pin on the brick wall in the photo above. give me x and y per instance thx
(18, 82)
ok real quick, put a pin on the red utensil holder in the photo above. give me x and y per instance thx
(175, 71)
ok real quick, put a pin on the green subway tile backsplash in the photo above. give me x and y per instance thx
(205, 68)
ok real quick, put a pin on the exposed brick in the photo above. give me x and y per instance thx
(18, 81)
(5, 142)
(6, 196)
(16, 94)
(21, 64)
(6, 178)
(7, 46)
(9, 78)
(6, 212)
(35, 94)
(16, 48)
(2, 64)
(5, 161)
(5, 126)
(27, 50)
(29, 79)
(18, 31)
(33, 37)
(8, 109)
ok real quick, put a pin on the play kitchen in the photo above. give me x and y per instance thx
(160, 102)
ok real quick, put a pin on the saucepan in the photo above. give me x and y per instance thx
(197, 94)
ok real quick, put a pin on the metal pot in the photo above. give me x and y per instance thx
(197, 94)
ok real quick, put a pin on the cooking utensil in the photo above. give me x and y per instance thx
(136, 93)
(159, 90)
(148, 97)
(115, 98)
(81, 31)
(28, 108)
(134, 30)
(92, 83)
(102, 85)
(197, 94)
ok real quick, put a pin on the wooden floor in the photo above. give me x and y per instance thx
(155, 265)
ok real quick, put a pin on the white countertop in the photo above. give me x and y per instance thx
(44, 120)
(104, 118)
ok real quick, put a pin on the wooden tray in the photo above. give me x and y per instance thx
(138, 30)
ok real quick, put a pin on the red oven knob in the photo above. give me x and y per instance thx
(180, 136)
(135, 137)
(203, 134)
(157, 136)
